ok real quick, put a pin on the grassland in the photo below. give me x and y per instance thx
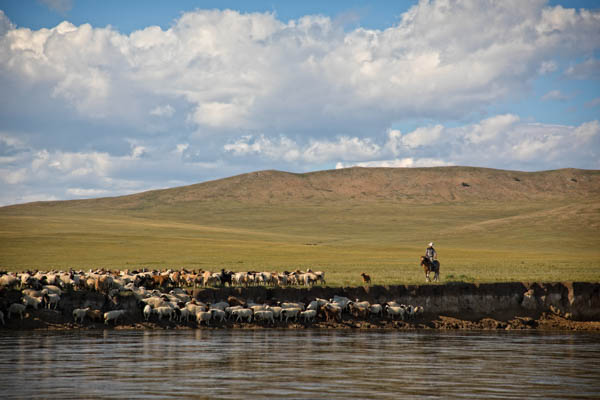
(480, 237)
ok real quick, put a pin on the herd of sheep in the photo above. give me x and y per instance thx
(160, 296)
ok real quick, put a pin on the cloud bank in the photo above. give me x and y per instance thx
(89, 111)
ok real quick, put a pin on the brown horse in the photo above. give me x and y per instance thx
(428, 267)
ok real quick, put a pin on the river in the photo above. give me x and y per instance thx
(302, 364)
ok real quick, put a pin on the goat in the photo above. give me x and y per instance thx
(94, 315)
(332, 311)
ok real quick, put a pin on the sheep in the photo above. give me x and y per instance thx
(393, 311)
(264, 315)
(31, 301)
(221, 305)
(308, 315)
(8, 281)
(276, 312)
(80, 313)
(292, 305)
(366, 278)
(341, 301)
(52, 300)
(164, 311)
(291, 313)
(184, 313)
(358, 310)
(243, 313)
(203, 316)
(52, 289)
(113, 316)
(260, 307)
(313, 305)
(218, 314)
(147, 312)
(16, 308)
(33, 293)
(376, 309)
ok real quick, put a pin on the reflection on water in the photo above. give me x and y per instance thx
(235, 364)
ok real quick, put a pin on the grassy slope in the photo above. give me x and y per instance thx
(505, 226)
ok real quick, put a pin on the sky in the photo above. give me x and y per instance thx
(111, 98)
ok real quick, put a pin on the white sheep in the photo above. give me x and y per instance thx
(53, 300)
(203, 316)
(184, 314)
(376, 309)
(218, 314)
(31, 301)
(52, 289)
(222, 305)
(308, 315)
(276, 312)
(113, 316)
(164, 311)
(147, 312)
(291, 313)
(395, 311)
(243, 313)
(292, 305)
(16, 308)
(80, 313)
(264, 315)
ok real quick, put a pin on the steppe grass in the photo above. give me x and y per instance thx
(476, 242)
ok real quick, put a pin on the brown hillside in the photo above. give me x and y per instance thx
(404, 185)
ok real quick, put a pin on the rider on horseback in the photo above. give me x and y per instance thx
(430, 253)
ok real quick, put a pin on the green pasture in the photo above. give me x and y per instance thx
(476, 242)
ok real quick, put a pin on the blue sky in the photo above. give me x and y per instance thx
(108, 98)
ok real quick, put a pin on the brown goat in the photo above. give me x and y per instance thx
(366, 278)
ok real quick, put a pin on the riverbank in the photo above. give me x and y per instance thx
(506, 306)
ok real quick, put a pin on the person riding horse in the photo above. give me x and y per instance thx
(430, 253)
(430, 264)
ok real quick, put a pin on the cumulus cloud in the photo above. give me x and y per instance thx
(253, 71)
(222, 92)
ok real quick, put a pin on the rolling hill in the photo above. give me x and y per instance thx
(488, 225)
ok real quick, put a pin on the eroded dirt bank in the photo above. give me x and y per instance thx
(562, 306)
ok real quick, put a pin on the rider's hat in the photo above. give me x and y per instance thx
(430, 244)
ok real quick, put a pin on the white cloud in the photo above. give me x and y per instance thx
(589, 69)
(253, 71)
(547, 67)
(490, 128)
(81, 192)
(397, 163)
(555, 95)
(422, 136)
(163, 111)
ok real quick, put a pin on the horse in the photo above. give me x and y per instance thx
(428, 267)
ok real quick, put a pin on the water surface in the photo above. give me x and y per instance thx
(307, 364)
